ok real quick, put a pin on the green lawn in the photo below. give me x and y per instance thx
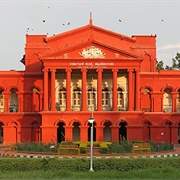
(145, 174)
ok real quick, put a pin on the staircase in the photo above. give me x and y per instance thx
(95, 150)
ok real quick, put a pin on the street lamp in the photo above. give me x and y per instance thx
(91, 120)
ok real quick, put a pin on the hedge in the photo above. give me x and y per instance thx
(82, 164)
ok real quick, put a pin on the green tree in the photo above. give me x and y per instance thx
(176, 62)
(160, 65)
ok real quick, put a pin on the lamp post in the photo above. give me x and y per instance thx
(91, 120)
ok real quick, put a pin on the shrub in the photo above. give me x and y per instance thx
(82, 164)
(103, 148)
(37, 147)
(124, 147)
(82, 147)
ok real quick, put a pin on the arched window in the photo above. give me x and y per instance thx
(107, 131)
(36, 100)
(60, 132)
(61, 101)
(120, 99)
(167, 100)
(178, 101)
(1, 101)
(76, 131)
(76, 98)
(91, 97)
(146, 100)
(13, 100)
(105, 98)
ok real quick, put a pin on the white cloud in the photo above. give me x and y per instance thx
(169, 46)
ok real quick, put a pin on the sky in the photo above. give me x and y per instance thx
(138, 17)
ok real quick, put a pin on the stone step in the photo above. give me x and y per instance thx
(95, 150)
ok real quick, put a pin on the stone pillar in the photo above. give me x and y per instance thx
(20, 101)
(53, 77)
(49, 134)
(114, 107)
(68, 89)
(174, 98)
(99, 133)
(84, 71)
(68, 133)
(99, 90)
(157, 105)
(45, 89)
(130, 90)
(6, 101)
(41, 101)
(174, 134)
(137, 97)
(84, 133)
(114, 133)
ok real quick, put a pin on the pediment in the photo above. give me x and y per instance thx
(90, 49)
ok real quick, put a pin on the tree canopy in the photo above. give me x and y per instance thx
(175, 64)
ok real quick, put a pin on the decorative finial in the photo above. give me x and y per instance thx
(90, 21)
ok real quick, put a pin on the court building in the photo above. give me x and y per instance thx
(84, 72)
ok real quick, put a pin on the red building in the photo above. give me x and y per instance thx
(89, 71)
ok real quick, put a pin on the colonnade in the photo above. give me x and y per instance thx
(133, 86)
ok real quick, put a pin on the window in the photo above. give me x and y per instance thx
(105, 96)
(120, 99)
(91, 96)
(62, 96)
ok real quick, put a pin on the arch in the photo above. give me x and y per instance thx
(76, 88)
(13, 132)
(12, 87)
(146, 99)
(146, 122)
(146, 63)
(177, 123)
(73, 121)
(167, 87)
(121, 120)
(35, 122)
(35, 87)
(167, 131)
(2, 87)
(35, 131)
(176, 89)
(121, 98)
(76, 98)
(91, 98)
(146, 87)
(167, 122)
(107, 131)
(120, 87)
(2, 100)
(60, 131)
(58, 121)
(76, 131)
(36, 105)
(13, 99)
(12, 123)
(60, 98)
(167, 100)
(122, 130)
(146, 131)
(104, 121)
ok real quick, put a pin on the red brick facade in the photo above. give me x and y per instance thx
(89, 71)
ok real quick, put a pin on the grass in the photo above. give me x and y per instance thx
(145, 174)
